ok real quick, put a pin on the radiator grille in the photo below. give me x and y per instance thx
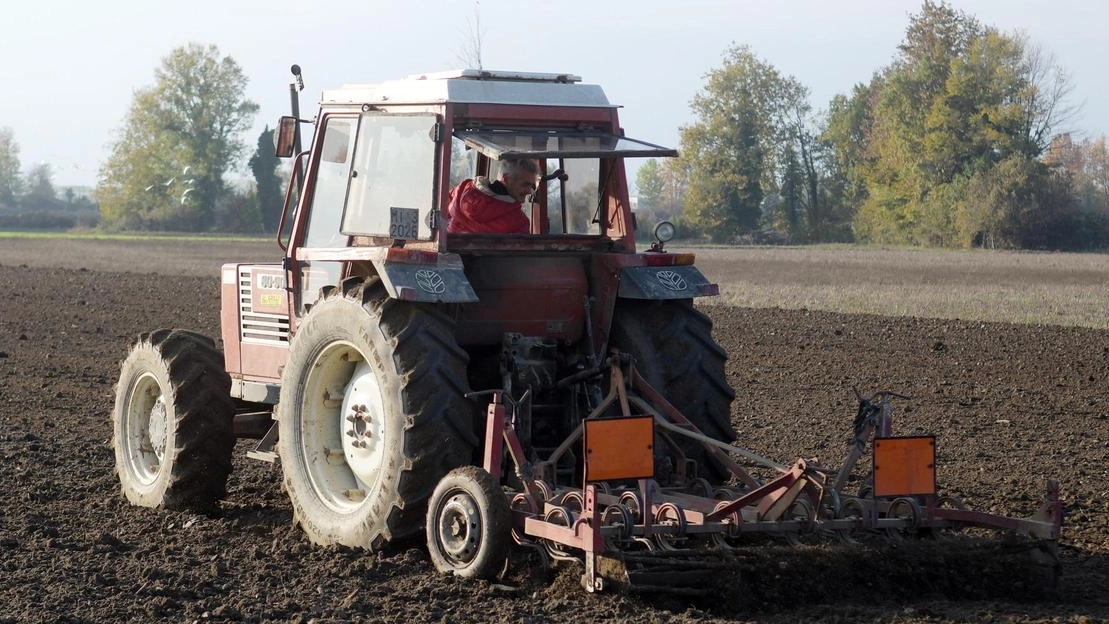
(259, 327)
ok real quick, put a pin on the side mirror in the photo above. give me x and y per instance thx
(286, 137)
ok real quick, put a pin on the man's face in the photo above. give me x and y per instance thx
(522, 185)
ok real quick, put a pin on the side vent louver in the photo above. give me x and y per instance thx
(259, 327)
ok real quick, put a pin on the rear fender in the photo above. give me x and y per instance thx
(664, 282)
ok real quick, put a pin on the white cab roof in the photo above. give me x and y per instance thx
(474, 86)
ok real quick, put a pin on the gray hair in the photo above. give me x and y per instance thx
(516, 167)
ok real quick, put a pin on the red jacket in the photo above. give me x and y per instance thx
(476, 208)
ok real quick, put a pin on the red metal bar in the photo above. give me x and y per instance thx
(671, 412)
(594, 542)
(1046, 523)
(494, 437)
(772, 489)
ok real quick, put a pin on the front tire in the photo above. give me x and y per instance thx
(172, 422)
(371, 415)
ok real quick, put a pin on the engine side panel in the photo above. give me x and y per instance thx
(254, 312)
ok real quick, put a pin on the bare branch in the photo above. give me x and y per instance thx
(470, 53)
(1047, 109)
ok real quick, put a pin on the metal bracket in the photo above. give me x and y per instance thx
(264, 451)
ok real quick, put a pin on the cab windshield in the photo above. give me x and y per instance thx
(578, 170)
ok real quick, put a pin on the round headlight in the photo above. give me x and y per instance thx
(664, 231)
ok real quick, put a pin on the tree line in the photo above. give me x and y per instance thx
(32, 201)
(167, 168)
(954, 143)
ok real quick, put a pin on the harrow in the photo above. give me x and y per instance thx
(631, 532)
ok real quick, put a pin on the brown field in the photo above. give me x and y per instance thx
(1012, 404)
(1015, 287)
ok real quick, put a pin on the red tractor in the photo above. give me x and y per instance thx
(556, 389)
(366, 339)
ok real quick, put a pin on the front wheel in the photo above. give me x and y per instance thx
(469, 524)
(172, 422)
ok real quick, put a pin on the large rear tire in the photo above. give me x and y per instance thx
(173, 422)
(673, 348)
(372, 414)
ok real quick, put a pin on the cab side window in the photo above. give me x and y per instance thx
(330, 191)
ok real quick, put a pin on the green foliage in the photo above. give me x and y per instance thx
(11, 185)
(263, 164)
(728, 149)
(651, 207)
(40, 188)
(942, 147)
(1022, 204)
(180, 137)
(650, 184)
(756, 159)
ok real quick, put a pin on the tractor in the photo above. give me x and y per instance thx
(555, 389)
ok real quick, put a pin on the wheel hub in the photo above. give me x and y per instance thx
(147, 426)
(159, 425)
(460, 528)
(362, 424)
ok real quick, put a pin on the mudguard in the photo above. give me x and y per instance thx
(432, 283)
(664, 282)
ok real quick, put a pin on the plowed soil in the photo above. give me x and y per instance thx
(1012, 406)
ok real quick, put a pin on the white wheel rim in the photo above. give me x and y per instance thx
(145, 428)
(343, 427)
(459, 528)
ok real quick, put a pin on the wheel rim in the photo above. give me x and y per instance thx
(342, 427)
(459, 526)
(146, 428)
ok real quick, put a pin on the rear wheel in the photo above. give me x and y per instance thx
(672, 345)
(172, 422)
(372, 414)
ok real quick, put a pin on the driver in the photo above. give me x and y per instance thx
(481, 206)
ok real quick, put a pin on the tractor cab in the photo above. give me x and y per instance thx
(376, 187)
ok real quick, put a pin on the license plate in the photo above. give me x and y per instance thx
(404, 223)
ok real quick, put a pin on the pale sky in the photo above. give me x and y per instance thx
(70, 68)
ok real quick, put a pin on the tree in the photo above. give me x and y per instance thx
(962, 107)
(789, 206)
(11, 185)
(179, 138)
(470, 52)
(650, 208)
(733, 150)
(650, 183)
(40, 188)
(263, 164)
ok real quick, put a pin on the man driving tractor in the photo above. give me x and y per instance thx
(480, 206)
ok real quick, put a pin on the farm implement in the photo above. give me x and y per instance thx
(632, 533)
